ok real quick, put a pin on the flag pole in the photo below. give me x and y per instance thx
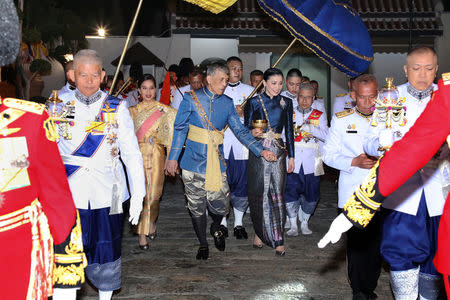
(125, 47)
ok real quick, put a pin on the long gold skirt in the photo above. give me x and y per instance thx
(153, 156)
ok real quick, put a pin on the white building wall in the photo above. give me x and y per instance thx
(203, 48)
(443, 45)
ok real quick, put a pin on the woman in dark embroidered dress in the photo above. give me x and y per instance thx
(267, 180)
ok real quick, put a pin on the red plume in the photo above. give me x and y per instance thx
(165, 91)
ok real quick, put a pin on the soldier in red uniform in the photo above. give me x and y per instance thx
(36, 208)
(426, 138)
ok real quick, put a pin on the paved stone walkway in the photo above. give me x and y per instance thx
(169, 269)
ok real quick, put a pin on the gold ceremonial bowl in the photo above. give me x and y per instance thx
(259, 124)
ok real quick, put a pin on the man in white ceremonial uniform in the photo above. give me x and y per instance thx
(70, 85)
(344, 101)
(319, 102)
(236, 154)
(195, 82)
(344, 151)
(413, 211)
(97, 131)
(302, 186)
(132, 98)
(292, 82)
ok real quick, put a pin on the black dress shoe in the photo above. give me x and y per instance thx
(202, 253)
(240, 233)
(144, 247)
(360, 296)
(219, 240)
(224, 230)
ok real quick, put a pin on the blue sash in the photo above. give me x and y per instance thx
(91, 142)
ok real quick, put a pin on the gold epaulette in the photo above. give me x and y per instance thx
(344, 113)
(27, 106)
(446, 78)
(341, 95)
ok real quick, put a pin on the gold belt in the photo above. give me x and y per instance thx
(213, 178)
(41, 270)
(266, 135)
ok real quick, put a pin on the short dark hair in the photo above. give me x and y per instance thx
(196, 71)
(256, 73)
(421, 49)
(365, 79)
(305, 78)
(233, 58)
(174, 68)
(146, 77)
(294, 73)
(136, 71)
(272, 72)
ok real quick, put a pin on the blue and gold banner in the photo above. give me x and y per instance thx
(331, 29)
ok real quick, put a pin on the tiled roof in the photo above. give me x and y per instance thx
(382, 17)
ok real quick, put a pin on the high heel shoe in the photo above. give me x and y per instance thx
(257, 243)
(202, 253)
(280, 253)
(257, 246)
(144, 247)
(152, 236)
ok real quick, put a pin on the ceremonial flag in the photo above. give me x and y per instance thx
(214, 6)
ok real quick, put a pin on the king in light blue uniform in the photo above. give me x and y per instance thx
(220, 112)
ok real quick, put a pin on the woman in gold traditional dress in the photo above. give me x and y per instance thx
(153, 125)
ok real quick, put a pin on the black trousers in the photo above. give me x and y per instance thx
(363, 256)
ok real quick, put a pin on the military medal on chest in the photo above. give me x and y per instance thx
(109, 118)
(62, 115)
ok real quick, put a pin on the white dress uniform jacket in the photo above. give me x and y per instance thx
(319, 104)
(342, 102)
(179, 94)
(132, 98)
(305, 152)
(238, 92)
(345, 142)
(92, 184)
(67, 88)
(406, 199)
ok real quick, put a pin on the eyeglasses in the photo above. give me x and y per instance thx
(305, 97)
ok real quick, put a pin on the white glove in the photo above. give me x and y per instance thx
(340, 225)
(64, 294)
(135, 209)
(386, 138)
